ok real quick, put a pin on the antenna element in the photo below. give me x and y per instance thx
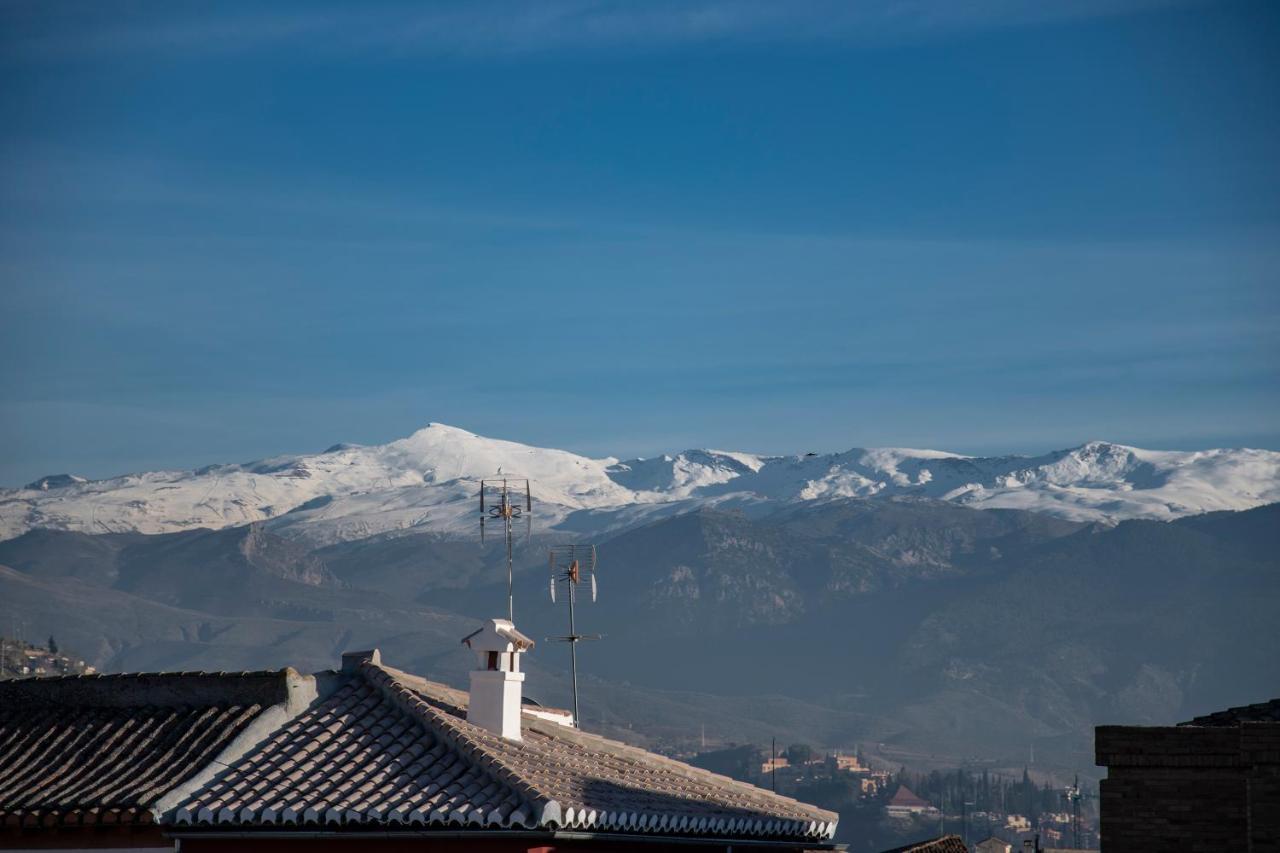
(507, 500)
(570, 566)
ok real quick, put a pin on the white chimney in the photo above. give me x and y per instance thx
(496, 682)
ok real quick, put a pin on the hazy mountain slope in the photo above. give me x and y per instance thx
(961, 646)
(75, 557)
(125, 630)
(710, 570)
(117, 630)
(210, 600)
(1143, 623)
(427, 483)
(925, 626)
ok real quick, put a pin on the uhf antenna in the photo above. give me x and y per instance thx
(1074, 795)
(506, 500)
(572, 565)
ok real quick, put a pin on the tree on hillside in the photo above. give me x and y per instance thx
(799, 753)
(53, 645)
(1028, 797)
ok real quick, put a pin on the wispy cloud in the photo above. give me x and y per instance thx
(52, 32)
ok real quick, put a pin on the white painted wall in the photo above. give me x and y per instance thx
(495, 701)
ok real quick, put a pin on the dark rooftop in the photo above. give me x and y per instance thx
(105, 748)
(1260, 712)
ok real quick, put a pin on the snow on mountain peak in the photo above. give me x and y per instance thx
(442, 454)
(55, 481)
(427, 481)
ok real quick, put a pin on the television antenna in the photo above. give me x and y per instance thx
(507, 501)
(1074, 795)
(572, 566)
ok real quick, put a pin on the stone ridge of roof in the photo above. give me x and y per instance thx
(154, 689)
(732, 806)
(355, 759)
(387, 681)
(1259, 712)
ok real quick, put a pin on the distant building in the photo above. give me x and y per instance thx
(19, 659)
(364, 758)
(906, 804)
(1212, 783)
(769, 765)
(1017, 823)
(848, 763)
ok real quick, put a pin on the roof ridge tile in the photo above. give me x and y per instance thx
(450, 729)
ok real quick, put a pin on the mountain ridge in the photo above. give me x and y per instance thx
(427, 482)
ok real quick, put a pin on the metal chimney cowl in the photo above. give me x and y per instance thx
(496, 682)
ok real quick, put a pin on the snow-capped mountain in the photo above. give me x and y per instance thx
(428, 482)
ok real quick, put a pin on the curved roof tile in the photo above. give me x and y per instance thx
(390, 747)
(106, 748)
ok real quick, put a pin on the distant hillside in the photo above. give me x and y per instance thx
(965, 633)
(926, 629)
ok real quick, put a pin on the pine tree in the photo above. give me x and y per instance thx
(53, 645)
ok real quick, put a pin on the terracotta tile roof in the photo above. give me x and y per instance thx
(907, 798)
(943, 844)
(1260, 712)
(390, 749)
(104, 748)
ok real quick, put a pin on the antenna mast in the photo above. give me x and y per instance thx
(1075, 812)
(1074, 795)
(508, 500)
(570, 566)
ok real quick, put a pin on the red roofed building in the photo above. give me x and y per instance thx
(906, 804)
(942, 844)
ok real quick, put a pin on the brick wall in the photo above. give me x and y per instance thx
(1260, 749)
(1190, 788)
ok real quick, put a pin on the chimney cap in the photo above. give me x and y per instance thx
(497, 635)
(351, 660)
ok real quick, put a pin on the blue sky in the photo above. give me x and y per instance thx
(228, 230)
